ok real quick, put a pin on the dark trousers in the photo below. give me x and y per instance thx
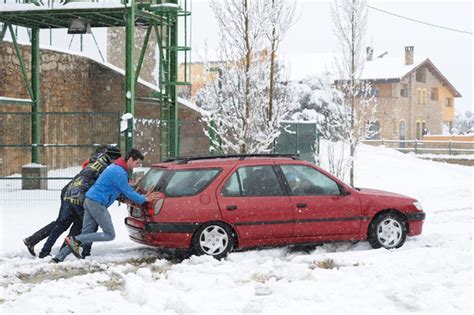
(41, 234)
(68, 214)
(44, 232)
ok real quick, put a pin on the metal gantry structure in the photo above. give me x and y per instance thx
(159, 16)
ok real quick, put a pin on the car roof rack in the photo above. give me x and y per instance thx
(186, 159)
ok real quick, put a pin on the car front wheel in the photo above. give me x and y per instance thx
(387, 230)
(214, 239)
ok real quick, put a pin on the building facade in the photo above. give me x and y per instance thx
(413, 97)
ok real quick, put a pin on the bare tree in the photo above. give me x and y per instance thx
(244, 101)
(280, 19)
(350, 23)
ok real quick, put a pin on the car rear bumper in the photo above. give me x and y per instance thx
(170, 235)
(415, 223)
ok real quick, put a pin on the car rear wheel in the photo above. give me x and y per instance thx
(214, 239)
(387, 230)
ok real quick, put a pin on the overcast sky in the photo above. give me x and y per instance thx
(450, 51)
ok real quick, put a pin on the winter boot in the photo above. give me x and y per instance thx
(73, 245)
(44, 254)
(29, 246)
(54, 260)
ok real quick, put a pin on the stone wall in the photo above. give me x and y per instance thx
(72, 83)
(63, 88)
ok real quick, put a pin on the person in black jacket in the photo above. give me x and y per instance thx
(72, 198)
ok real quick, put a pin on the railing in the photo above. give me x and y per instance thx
(427, 146)
(68, 138)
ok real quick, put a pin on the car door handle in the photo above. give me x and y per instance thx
(301, 205)
(231, 207)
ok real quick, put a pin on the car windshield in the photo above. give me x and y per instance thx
(150, 179)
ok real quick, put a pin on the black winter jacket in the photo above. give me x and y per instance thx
(77, 188)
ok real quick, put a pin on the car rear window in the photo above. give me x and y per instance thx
(189, 182)
(150, 179)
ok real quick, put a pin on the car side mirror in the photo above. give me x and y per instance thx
(344, 191)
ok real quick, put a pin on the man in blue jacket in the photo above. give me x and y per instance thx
(71, 210)
(111, 183)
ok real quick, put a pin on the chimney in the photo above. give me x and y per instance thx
(409, 53)
(370, 53)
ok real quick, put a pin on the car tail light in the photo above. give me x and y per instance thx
(154, 206)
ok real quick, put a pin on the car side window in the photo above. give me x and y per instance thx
(306, 181)
(189, 182)
(231, 187)
(253, 181)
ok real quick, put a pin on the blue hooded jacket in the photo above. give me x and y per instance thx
(111, 183)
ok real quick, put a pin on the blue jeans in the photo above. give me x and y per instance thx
(95, 214)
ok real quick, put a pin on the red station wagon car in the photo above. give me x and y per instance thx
(212, 205)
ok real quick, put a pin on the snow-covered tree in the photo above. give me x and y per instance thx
(319, 101)
(244, 100)
(350, 23)
(464, 123)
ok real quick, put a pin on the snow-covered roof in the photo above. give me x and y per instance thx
(305, 64)
(388, 68)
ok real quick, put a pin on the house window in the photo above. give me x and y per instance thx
(449, 102)
(402, 133)
(404, 90)
(421, 96)
(421, 75)
(375, 91)
(434, 94)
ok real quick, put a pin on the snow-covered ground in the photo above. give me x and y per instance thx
(430, 273)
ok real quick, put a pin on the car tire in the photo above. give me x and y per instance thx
(388, 230)
(215, 239)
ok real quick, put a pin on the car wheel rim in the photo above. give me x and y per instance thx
(213, 240)
(389, 233)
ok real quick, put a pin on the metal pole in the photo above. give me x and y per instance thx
(35, 86)
(129, 73)
(142, 53)
(3, 31)
(22, 63)
(119, 119)
(174, 148)
(97, 46)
